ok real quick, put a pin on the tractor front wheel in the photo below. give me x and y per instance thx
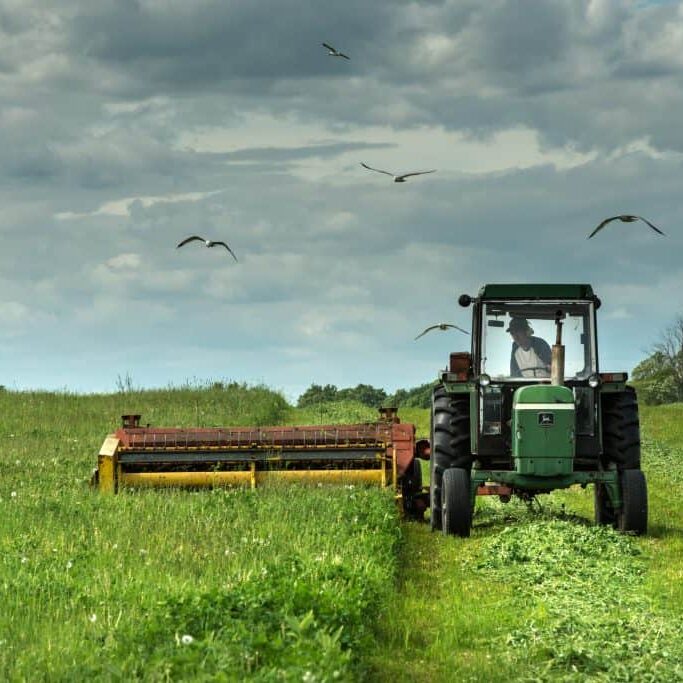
(456, 503)
(633, 515)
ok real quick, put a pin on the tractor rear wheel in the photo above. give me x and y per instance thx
(604, 512)
(456, 502)
(450, 444)
(633, 514)
(620, 430)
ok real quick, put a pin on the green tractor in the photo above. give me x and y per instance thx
(527, 411)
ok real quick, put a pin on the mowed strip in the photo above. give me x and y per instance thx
(544, 595)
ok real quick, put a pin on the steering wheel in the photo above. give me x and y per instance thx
(534, 368)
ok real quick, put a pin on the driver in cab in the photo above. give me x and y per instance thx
(531, 356)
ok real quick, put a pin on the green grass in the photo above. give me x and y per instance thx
(541, 594)
(315, 584)
(275, 584)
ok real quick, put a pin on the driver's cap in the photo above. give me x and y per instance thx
(518, 324)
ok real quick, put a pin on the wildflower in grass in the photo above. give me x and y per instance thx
(69, 564)
(187, 639)
(24, 560)
(13, 494)
(92, 618)
(308, 677)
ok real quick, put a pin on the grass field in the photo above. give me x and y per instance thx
(541, 595)
(315, 584)
(276, 584)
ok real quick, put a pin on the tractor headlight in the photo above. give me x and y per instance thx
(594, 381)
(484, 380)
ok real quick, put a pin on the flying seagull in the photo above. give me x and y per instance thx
(397, 178)
(624, 219)
(208, 243)
(333, 52)
(440, 326)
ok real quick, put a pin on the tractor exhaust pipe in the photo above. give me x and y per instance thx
(557, 359)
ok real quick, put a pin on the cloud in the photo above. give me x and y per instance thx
(124, 262)
(127, 125)
(123, 207)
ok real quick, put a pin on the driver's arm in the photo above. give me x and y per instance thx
(543, 351)
(514, 367)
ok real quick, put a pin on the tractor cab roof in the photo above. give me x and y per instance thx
(536, 291)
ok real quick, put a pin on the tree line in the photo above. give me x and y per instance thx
(659, 378)
(417, 397)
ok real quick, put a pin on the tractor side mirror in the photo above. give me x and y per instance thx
(464, 300)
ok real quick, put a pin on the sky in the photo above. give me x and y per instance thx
(127, 125)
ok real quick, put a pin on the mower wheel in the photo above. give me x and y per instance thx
(450, 444)
(633, 515)
(456, 504)
(621, 430)
(604, 512)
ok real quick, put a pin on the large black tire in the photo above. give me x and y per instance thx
(604, 512)
(633, 515)
(450, 443)
(620, 430)
(456, 503)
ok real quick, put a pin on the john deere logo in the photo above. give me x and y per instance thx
(546, 419)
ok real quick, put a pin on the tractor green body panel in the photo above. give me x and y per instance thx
(539, 291)
(543, 430)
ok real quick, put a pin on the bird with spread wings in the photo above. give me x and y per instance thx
(208, 243)
(397, 178)
(440, 326)
(624, 219)
(333, 52)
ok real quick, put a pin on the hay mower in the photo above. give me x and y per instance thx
(509, 417)
(380, 453)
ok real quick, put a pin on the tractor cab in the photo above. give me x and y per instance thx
(526, 335)
(519, 343)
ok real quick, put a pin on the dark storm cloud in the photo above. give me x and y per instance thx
(199, 45)
(571, 69)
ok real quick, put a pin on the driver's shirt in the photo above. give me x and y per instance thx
(526, 360)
